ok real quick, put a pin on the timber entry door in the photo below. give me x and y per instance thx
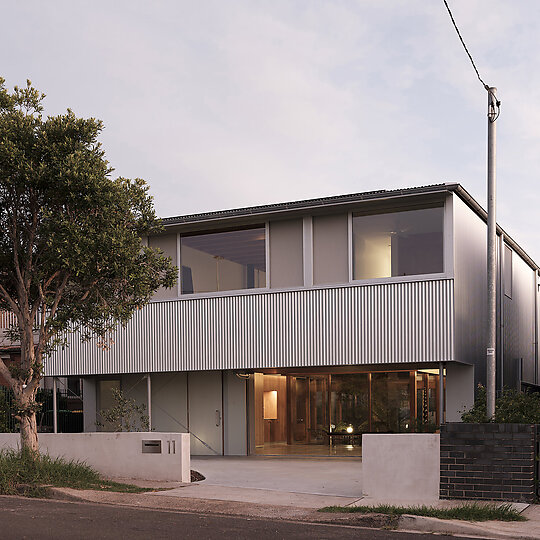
(298, 399)
(308, 406)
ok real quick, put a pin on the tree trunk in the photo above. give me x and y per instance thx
(29, 437)
(26, 404)
(26, 389)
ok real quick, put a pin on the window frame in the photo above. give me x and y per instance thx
(447, 237)
(228, 292)
(508, 256)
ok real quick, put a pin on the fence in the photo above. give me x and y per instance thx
(69, 412)
(490, 461)
(7, 319)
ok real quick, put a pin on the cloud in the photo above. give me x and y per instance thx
(224, 104)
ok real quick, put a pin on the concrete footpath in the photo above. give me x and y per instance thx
(272, 504)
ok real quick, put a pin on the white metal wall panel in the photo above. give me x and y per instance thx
(370, 324)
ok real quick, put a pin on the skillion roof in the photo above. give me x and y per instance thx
(223, 216)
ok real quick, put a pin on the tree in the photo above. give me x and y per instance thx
(71, 255)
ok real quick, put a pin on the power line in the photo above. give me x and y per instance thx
(465, 46)
(496, 102)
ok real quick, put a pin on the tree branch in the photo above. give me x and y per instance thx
(32, 235)
(87, 292)
(59, 294)
(11, 302)
(6, 374)
(44, 335)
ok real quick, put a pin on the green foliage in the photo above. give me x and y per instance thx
(515, 407)
(71, 255)
(126, 414)
(477, 414)
(71, 243)
(511, 407)
(7, 410)
(26, 473)
(467, 512)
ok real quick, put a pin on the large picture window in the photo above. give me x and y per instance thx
(223, 261)
(398, 243)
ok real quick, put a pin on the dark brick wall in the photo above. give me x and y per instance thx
(489, 461)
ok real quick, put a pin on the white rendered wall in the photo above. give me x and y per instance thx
(459, 390)
(89, 404)
(118, 455)
(234, 415)
(401, 467)
(169, 402)
(470, 287)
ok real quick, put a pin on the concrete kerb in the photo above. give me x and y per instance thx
(408, 523)
(528, 530)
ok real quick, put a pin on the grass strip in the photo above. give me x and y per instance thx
(467, 512)
(23, 473)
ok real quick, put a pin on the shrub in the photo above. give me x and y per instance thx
(511, 407)
(125, 414)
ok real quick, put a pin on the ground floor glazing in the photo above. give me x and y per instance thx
(327, 413)
(296, 411)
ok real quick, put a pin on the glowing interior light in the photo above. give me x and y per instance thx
(350, 429)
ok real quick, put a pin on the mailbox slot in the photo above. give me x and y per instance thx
(151, 446)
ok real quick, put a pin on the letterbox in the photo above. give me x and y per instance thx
(151, 446)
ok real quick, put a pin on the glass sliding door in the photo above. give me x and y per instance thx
(327, 413)
(318, 410)
(390, 402)
(427, 401)
(349, 405)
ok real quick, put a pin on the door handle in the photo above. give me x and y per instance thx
(218, 417)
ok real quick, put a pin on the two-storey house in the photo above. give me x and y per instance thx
(296, 327)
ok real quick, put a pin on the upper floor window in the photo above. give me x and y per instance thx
(507, 271)
(223, 261)
(398, 244)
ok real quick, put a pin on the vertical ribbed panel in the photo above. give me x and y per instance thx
(370, 324)
(7, 319)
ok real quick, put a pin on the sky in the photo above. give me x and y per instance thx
(228, 103)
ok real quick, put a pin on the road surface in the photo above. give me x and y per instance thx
(42, 519)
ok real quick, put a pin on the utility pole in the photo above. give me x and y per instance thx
(493, 113)
(493, 108)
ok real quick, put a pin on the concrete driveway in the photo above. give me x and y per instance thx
(316, 476)
(296, 482)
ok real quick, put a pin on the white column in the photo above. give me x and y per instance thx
(149, 399)
(55, 408)
(440, 420)
(308, 251)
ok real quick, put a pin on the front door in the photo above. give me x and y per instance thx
(205, 412)
(299, 398)
(309, 409)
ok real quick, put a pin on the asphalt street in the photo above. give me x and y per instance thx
(41, 519)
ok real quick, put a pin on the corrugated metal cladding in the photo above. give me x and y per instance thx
(387, 323)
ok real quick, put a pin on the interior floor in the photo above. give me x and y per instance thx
(283, 449)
